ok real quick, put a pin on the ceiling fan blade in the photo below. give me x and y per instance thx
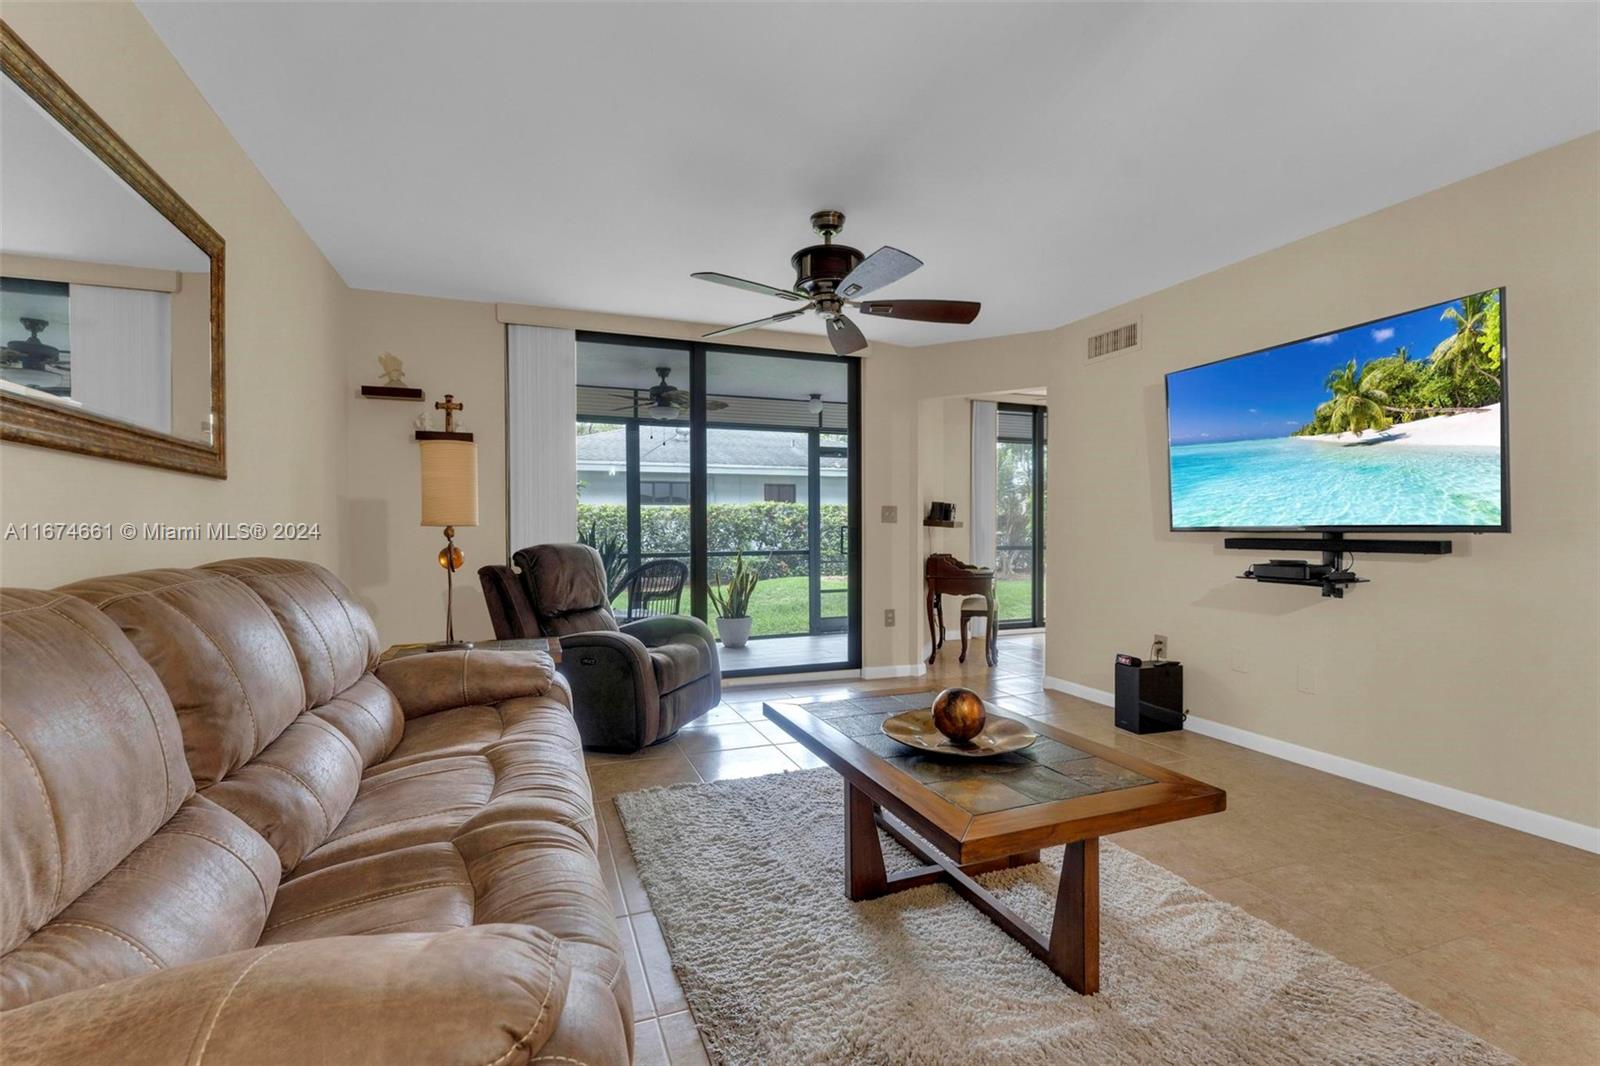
(882, 267)
(954, 311)
(757, 324)
(680, 398)
(752, 286)
(844, 335)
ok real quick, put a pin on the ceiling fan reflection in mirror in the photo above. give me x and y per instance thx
(829, 277)
(664, 402)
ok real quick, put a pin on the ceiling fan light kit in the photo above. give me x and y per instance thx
(828, 278)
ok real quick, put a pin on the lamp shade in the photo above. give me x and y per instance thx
(449, 483)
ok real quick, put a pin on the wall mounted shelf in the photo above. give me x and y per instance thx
(941, 523)
(1332, 580)
(393, 392)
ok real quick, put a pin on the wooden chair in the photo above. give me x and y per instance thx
(654, 588)
(976, 607)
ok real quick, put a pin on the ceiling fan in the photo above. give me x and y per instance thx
(666, 402)
(829, 277)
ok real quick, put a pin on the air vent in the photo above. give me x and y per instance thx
(1114, 340)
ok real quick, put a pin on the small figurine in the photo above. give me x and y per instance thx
(394, 371)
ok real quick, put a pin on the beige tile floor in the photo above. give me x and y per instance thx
(1496, 930)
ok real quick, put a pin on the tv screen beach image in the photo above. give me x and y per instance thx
(1393, 423)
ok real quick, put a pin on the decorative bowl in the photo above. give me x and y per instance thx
(1000, 735)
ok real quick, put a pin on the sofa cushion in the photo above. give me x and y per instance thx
(267, 661)
(200, 886)
(487, 996)
(91, 761)
(221, 655)
(483, 814)
(333, 637)
(112, 867)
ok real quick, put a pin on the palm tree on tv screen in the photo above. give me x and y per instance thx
(1469, 359)
(1358, 401)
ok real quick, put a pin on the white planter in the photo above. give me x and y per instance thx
(734, 631)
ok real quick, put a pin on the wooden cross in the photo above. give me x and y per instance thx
(449, 407)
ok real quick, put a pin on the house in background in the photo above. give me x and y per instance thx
(742, 466)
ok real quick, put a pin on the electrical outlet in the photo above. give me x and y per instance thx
(888, 617)
(891, 513)
(1158, 647)
(1241, 663)
(1306, 680)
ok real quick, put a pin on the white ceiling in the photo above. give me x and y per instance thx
(62, 202)
(1048, 160)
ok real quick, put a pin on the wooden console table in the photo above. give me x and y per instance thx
(945, 575)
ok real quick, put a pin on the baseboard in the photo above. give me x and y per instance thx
(752, 680)
(1537, 823)
(1083, 692)
(875, 673)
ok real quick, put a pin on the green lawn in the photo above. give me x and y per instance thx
(781, 606)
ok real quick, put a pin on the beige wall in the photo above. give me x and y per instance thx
(284, 316)
(1476, 671)
(457, 347)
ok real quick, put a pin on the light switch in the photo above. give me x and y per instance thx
(891, 513)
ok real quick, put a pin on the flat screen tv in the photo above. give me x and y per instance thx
(1393, 425)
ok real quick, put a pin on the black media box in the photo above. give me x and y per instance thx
(1149, 695)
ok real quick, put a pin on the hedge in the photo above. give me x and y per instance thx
(753, 528)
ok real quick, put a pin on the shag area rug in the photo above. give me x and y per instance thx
(747, 880)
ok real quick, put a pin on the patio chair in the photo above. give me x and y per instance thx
(654, 588)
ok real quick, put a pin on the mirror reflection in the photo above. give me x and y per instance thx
(104, 304)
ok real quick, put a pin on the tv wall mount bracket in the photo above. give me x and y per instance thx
(1332, 575)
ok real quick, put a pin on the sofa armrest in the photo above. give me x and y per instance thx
(440, 680)
(614, 695)
(667, 628)
(488, 993)
(682, 629)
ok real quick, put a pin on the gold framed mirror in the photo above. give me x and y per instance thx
(111, 288)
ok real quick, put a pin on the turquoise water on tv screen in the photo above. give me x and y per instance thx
(1294, 482)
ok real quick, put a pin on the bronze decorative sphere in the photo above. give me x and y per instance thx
(958, 713)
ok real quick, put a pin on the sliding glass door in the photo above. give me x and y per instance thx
(1020, 514)
(709, 455)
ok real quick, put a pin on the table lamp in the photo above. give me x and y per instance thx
(449, 499)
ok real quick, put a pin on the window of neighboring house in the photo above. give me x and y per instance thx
(664, 492)
(773, 492)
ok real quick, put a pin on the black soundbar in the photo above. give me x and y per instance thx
(1338, 543)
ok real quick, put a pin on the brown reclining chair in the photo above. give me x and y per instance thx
(632, 685)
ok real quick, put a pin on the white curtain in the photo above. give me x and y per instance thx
(121, 343)
(985, 428)
(541, 434)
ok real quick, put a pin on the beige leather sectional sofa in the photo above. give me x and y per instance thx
(230, 836)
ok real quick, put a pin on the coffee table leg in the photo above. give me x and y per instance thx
(863, 854)
(1075, 930)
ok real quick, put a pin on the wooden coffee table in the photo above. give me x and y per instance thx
(990, 814)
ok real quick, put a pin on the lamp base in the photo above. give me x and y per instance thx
(451, 645)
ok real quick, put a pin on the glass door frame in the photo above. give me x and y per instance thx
(1038, 413)
(699, 535)
(815, 452)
